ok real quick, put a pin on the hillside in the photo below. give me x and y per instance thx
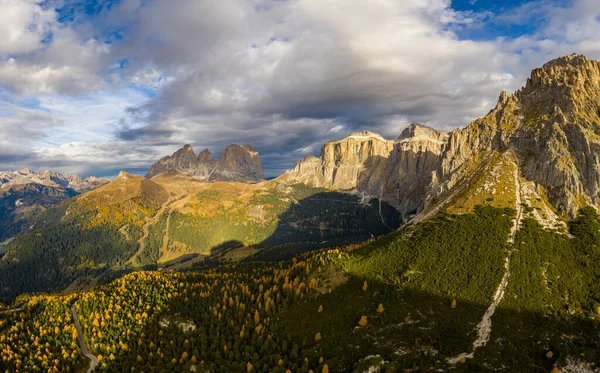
(25, 194)
(176, 220)
(411, 300)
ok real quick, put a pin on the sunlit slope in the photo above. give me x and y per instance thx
(80, 238)
(222, 217)
(134, 221)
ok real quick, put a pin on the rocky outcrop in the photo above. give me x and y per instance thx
(552, 125)
(237, 163)
(183, 161)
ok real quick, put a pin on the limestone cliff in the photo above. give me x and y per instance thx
(552, 125)
(345, 164)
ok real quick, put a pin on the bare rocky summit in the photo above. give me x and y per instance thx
(237, 163)
(552, 125)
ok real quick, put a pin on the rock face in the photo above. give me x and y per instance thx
(344, 164)
(398, 171)
(552, 125)
(51, 179)
(237, 163)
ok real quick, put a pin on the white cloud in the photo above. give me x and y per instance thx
(281, 75)
(23, 26)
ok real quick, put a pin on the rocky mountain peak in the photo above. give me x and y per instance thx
(124, 175)
(574, 60)
(206, 157)
(418, 131)
(241, 160)
(237, 163)
(571, 83)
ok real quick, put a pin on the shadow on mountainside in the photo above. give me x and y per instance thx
(324, 220)
(281, 229)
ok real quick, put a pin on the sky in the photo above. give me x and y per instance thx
(96, 86)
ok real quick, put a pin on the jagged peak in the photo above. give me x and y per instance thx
(573, 60)
(566, 71)
(187, 148)
(571, 83)
(503, 99)
(205, 156)
(124, 175)
(244, 147)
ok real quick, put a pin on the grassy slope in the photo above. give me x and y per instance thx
(284, 219)
(459, 258)
(415, 275)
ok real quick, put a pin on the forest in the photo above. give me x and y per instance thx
(410, 299)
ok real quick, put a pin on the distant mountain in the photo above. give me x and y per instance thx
(51, 179)
(24, 194)
(237, 163)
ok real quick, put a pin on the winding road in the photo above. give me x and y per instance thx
(84, 350)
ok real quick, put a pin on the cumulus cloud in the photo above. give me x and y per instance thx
(284, 76)
(23, 26)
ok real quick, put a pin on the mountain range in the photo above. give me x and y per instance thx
(550, 127)
(51, 179)
(24, 194)
(476, 249)
(237, 163)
